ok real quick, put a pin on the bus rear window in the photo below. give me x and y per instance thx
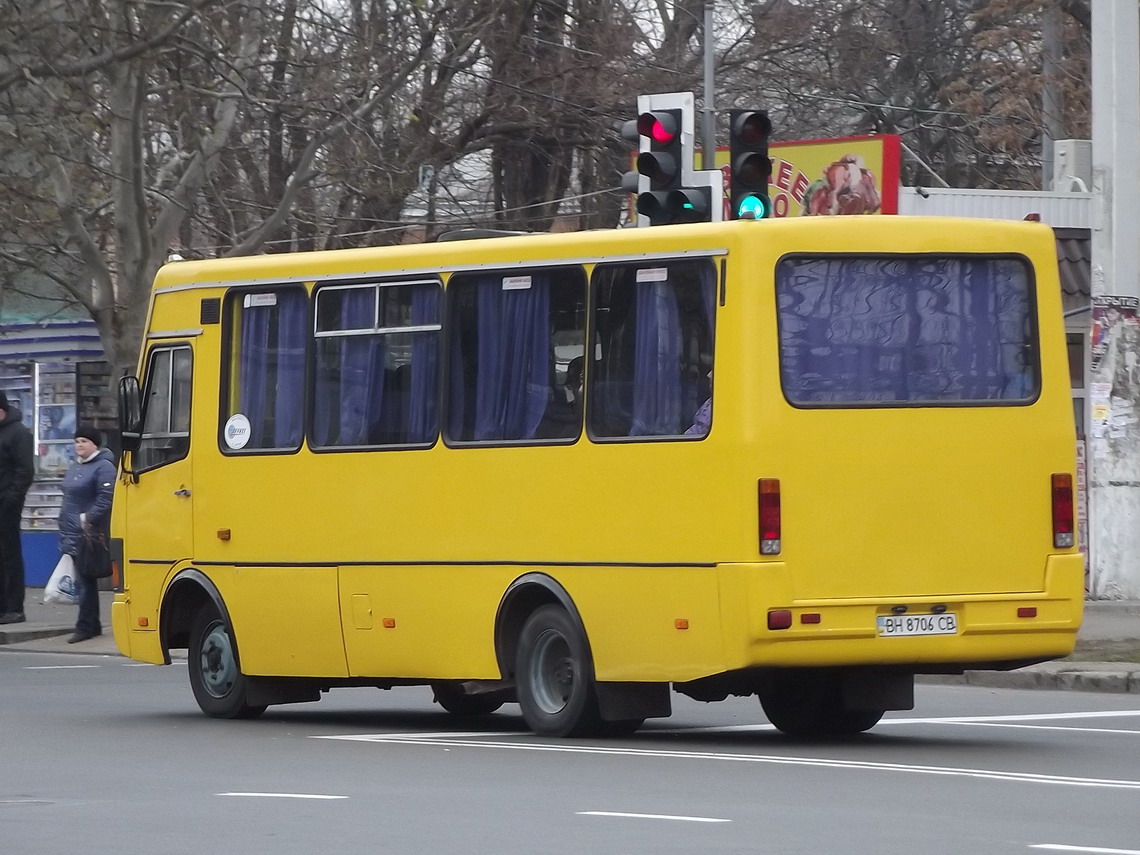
(906, 330)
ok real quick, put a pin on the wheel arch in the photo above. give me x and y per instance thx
(187, 593)
(522, 597)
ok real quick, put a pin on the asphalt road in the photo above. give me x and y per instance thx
(102, 755)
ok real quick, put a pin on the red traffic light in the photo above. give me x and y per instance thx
(751, 127)
(659, 127)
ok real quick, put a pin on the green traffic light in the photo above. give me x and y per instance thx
(752, 206)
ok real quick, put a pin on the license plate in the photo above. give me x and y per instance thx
(897, 625)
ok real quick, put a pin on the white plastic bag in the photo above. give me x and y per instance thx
(60, 587)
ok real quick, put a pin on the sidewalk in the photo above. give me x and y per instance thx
(1107, 658)
(49, 625)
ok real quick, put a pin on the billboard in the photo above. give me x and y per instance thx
(831, 177)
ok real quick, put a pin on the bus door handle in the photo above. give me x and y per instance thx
(182, 492)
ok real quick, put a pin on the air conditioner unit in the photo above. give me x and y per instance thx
(1072, 166)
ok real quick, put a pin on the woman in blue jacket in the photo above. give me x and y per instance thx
(88, 488)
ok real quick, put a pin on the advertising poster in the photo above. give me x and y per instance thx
(833, 177)
(1083, 508)
(1107, 312)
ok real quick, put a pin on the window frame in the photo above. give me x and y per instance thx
(229, 352)
(168, 348)
(578, 267)
(718, 284)
(1034, 330)
(313, 358)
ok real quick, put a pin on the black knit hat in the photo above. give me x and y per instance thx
(4, 402)
(91, 433)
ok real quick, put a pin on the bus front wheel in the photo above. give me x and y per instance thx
(219, 686)
(555, 676)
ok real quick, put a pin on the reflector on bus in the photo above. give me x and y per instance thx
(769, 498)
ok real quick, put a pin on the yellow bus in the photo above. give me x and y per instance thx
(805, 459)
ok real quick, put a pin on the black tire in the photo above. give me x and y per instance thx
(555, 676)
(810, 706)
(215, 677)
(622, 727)
(451, 697)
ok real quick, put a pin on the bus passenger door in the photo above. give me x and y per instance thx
(159, 496)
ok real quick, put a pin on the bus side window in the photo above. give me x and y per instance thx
(166, 408)
(652, 370)
(516, 344)
(265, 376)
(377, 364)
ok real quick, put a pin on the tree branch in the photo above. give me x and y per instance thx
(102, 60)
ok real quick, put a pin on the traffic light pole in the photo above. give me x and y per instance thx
(708, 138)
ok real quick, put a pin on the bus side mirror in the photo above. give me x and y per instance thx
(130, 413)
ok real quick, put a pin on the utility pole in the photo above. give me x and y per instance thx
(1052, 98)
(1114, 435)
(708, 136)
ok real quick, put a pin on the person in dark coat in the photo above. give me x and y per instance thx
(88, 488)
(17, 468)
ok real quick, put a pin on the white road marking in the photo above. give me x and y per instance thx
(57, 667)
(1026, 717)
(995, 720)
(819, 762)
(651, 816)
(1060, 847)
(1050, 727)
(283, 795)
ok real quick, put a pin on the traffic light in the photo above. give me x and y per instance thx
(659, 161)
(751, 167)
(667, 188)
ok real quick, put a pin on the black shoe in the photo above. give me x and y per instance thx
(81, 636)
(12, 617)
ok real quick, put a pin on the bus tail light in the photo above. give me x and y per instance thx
(779, 618)
(1062, 510)
(769, 496)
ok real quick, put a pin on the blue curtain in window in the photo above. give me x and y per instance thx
(696, 386)
(905, 330)
(271, 370)
(361, 373)
(292, 336)
(423, 406)
(513, 358)
(253, 370)
(657, 361)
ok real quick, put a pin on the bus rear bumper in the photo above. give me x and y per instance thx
(996, 631)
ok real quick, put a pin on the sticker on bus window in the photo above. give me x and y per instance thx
(653, 274)
(252, 300)
(236, 431)
(516, 283)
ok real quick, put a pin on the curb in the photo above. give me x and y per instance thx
(1089, 677)
(18, 636)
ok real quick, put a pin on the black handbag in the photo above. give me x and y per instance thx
(94, 559)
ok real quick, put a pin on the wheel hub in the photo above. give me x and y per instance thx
(217, 665)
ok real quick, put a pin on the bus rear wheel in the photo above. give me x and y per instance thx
(217, 682)
(811, 705)
(555, 676)
(452, 698)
